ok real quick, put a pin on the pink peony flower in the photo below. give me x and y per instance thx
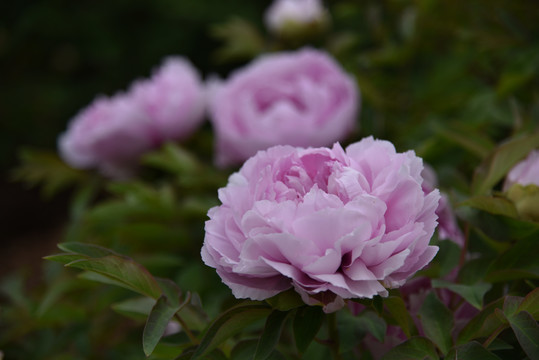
(447, 227)
(298, 98)
(173, 99)
(284, 13)
(525, 172)
(332, 224)
(112, 133)
(522, 187)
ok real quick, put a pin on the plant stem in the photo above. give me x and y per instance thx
(333, 336)
(185, 328)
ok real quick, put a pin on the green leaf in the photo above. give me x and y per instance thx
(45, 168)
(437, 322)
(64, 258)
(413, 349)
(172, 158)
(244, 350)
(471, 351)
(124, 271)
(526, 330)
(472, 293)
(286, 300)
(139, 307)
(397, 308)
(353, 328)
(492, 204)
(478, 145)
(516, 263)
(242, 41)
(530, 304)
(448, 256)
(474, 271)
(161, 314)
(228, 324)
(499, 162)
(306, 324)
(89, 250)
(373, 324)
(271, 334)
(483, 324)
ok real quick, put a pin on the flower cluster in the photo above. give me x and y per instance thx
(332, 224)
(113, 132)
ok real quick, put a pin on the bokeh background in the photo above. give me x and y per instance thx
(56, 57)
(449, 79)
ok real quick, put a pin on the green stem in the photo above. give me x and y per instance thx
(333, 336)
(185, 328)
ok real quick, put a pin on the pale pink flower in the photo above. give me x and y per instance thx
(283, 13)
(300, 98)
(330, 223)
(526, 172)
(113, 132)
(447, 223)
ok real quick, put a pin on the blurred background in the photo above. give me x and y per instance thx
(56, 57)
(455, 77)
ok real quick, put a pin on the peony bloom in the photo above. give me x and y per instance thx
(295, 15)
(298, 98)
(112, 133)
(173, 99)
(330, 223)
(525, 172)
(522, 186)
(448, 227)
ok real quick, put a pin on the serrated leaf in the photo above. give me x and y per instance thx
(306, 324)
(499, 162)
(437, 322)
(397, 308)
(472, 293)
(471, 351)
(125, 271)
(492, 204)
(413, 349)
(228, 324)
(271, 334)
(526, 330)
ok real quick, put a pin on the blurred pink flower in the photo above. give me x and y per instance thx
(112, 133)
(330, 223)
(283, 13)
(300, 98)
(447, 222)
(525, 172)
